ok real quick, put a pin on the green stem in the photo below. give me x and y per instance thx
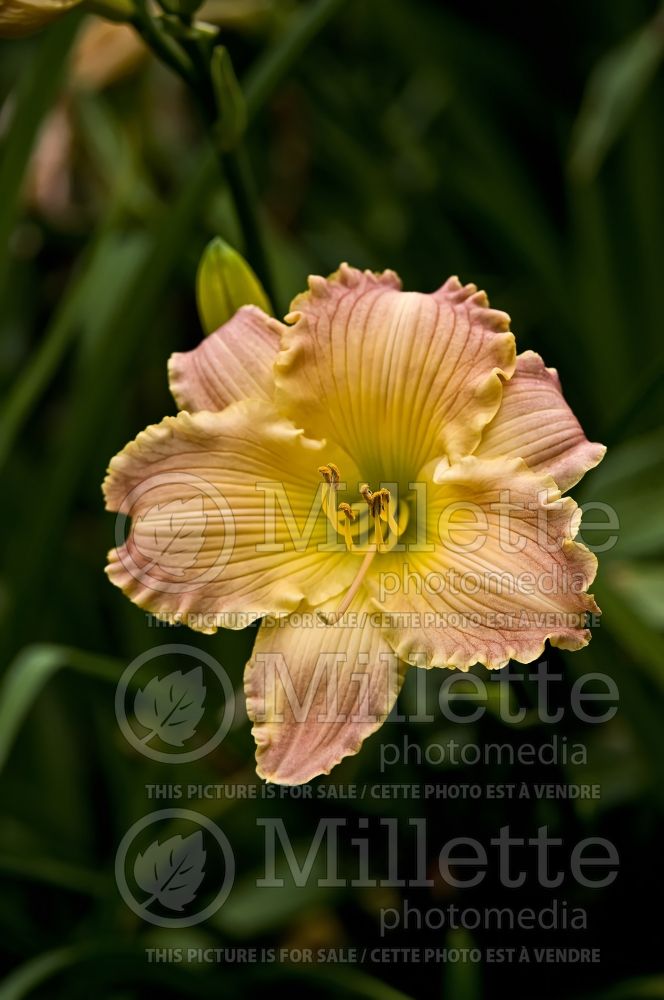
(261, 82)
(233, 163)
(163, 46)
(112, 10)
(238, 175)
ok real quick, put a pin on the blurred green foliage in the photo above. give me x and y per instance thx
(523, 151)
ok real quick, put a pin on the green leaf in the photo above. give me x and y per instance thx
(82, 309)
(630, 484)
(632, 633)
(116, 342)
(29, 673)
(268, 71)
(462, 980)
(109, 961)
(642, 988)
(55, 872)
(251, 909)
(224, 283)
(641, 585)
(22, 981)
(35, 94)
(615, 88)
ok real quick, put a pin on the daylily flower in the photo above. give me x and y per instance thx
(379, 477)
(23, 17)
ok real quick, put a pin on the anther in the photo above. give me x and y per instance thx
(332, 477)
(385, 510)
(348, 516)
(379, 508)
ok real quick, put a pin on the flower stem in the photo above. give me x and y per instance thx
(240, 182)
(183, 59)
(234, 163)
(112, 10)
(163, 46)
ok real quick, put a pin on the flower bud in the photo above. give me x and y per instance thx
(224, 283)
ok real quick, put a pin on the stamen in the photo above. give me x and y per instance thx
(367, 494)
(341, 517)
(386, 510)
(348, 516)
(331, 475)
(379, 504)
(378, 534)
(379, 508)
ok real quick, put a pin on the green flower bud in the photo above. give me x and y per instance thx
(224, 283)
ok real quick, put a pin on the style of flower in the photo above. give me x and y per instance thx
(379, 478)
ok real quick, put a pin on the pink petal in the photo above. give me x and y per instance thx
(500, 581)
(231, 364)
(203, 545)
(535, 423)
(397, 378)
(315, 691)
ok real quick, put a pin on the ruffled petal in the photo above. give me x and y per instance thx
(504, 575)
(316, 691)
(535, 423)
(231, 364)
(226, 522)
(398, 378)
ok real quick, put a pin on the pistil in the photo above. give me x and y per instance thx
(331, 618)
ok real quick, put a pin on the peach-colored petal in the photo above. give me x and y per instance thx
(504, 575)
(232, 364)
(535, 423)
(104, 53)
(48, 181)
(315, 691)
(226, 518)
(398, 378)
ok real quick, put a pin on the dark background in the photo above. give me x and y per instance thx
(518, 147)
